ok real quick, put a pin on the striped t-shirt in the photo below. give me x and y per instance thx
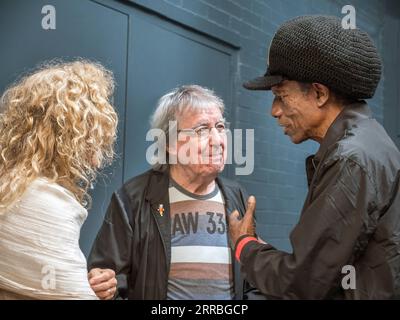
(201, 265)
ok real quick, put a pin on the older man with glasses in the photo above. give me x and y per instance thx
(165, 231)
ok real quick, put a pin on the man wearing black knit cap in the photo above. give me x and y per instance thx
(320, 75)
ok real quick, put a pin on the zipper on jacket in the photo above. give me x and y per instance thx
(313, 163)
(168, 266)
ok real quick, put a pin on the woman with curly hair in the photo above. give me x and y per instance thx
(57, 129)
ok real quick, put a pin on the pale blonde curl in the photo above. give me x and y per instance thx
(57, 123)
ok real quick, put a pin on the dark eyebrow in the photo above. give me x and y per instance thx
(280, 94)
(200, 124)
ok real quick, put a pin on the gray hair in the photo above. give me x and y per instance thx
(184, 99)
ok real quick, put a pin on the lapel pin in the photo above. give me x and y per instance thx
(161, 209)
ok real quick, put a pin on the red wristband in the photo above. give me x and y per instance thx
(241, 244)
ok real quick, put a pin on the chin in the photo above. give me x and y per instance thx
(214, 169)
(297, 140)
(221, 168)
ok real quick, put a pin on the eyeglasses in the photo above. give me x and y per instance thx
(203, 131)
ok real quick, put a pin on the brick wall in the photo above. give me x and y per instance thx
(278, 181)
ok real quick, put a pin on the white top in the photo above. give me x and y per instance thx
(40, 257)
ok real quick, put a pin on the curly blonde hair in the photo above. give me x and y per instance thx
(57, 123)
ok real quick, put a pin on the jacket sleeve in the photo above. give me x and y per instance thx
(323, 241)
(112, 246)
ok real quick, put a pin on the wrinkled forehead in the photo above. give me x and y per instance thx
(280, 87)
(201, 116)
(285, 87)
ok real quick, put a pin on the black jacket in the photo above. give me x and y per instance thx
(135, 240)
(351, 216)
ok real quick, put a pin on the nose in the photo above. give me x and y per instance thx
(215, 138)
(276, 110)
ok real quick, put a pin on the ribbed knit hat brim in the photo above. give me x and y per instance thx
(263, 83)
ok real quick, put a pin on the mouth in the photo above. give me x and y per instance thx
(284, 127)
(214, 158)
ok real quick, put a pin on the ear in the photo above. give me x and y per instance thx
(322, 93)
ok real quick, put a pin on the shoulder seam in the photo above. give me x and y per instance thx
(362, 167)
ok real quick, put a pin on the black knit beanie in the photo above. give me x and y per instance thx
(318, 49)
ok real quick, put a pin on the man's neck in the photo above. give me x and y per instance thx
(193, 183)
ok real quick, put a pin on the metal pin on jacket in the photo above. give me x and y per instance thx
(161, 209)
